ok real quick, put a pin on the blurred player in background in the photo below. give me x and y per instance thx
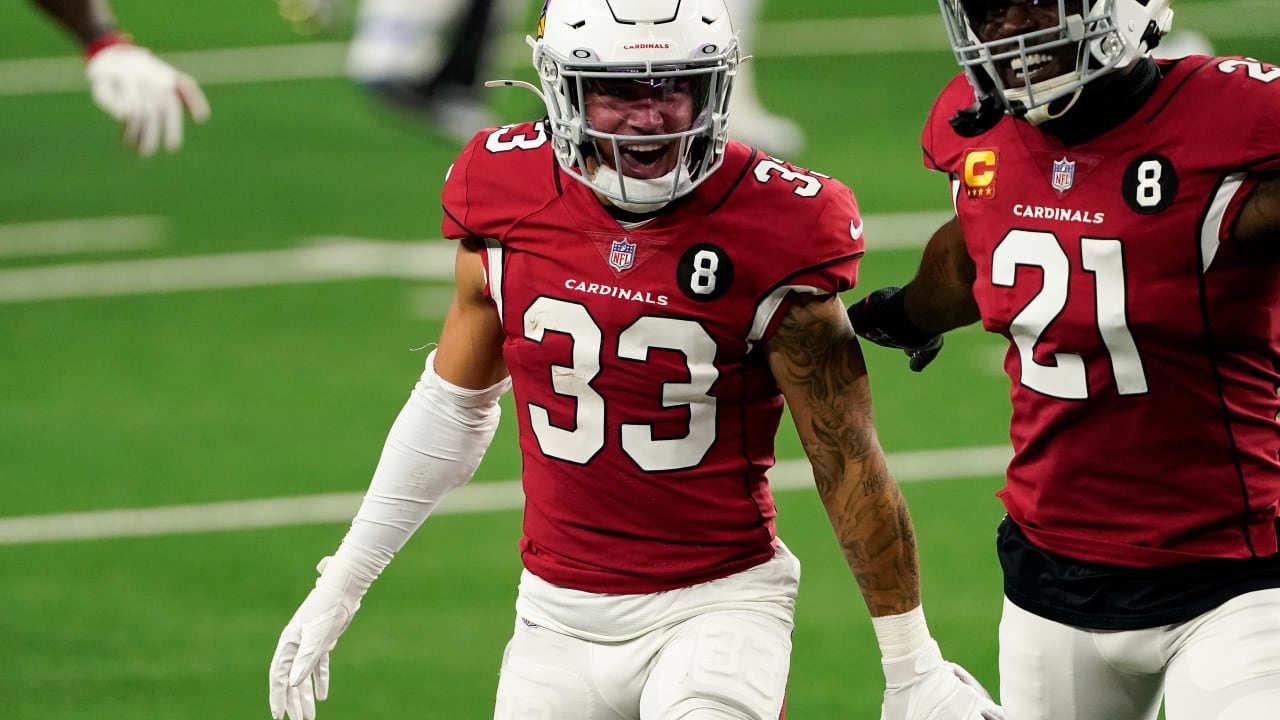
(128, 83)
(1118, 220)
(752, 123)
(425, 57)
(652, 293)
(431, 58)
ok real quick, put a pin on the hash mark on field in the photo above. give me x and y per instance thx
(915, 466)
(86, 235)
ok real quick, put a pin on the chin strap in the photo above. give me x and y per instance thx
(1046, 111)
(643, 195)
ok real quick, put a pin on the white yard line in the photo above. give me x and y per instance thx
(794, 38)
(303, 61)
(897, 231)
(88, 235)
(323, 260)
(338, 259)
(914, 466)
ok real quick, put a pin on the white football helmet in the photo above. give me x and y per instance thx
(1107, 35)
(648, 40)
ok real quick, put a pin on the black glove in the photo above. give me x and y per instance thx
(881, 317)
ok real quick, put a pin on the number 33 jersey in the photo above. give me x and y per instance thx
(1143, 344)
(646, 408)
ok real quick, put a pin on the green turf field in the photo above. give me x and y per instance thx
(116, 393)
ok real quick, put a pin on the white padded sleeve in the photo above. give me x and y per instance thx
(434, 446)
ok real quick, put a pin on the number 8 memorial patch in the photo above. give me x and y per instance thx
(704, 273)
(1150, 184)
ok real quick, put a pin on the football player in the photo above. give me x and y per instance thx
(652, 292)
(146, 94)
(1118, 221)
(423, 57)
(428, 57)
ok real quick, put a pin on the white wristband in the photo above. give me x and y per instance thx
(901, 635)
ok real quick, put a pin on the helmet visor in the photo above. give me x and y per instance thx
(674, 104)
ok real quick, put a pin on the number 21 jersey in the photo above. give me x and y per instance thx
(1143, 345)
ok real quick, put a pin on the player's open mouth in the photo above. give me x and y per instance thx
(1032, 68)
(645, 160)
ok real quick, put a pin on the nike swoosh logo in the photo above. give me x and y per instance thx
(855, 229)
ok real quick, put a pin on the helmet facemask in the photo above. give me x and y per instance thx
(684, 78)
(1038, 75)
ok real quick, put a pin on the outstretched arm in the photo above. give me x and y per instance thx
(817, 363)
(147, 95)
(819, 366)
(938, 299)
(87, 20)
(434, 445)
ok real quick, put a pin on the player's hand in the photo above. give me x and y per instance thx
(870, 320)
(146, 94)
(299, 675)
(923, 686)
(921, 355)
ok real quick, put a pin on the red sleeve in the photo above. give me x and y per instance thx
(834, 246)
(501, 176)
(838, 241)
(454, 197)
(1261, 151)
(939, 142)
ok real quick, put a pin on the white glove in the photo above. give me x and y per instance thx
(146, 94)
(923, 686)
(299, 674)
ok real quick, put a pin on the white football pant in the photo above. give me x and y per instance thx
(749, 121)
(1222, 665)
(400, 40)
(408, 40)
(719, 650)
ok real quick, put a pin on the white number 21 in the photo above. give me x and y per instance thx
(1103, 258)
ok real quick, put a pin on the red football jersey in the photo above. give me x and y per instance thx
(646, 408)
(1143, 348)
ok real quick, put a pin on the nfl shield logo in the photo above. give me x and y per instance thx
(1064, 174)
(622, 255)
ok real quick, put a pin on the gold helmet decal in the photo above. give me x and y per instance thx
(542, 20)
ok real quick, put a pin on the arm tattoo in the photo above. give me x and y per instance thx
(824, 377)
